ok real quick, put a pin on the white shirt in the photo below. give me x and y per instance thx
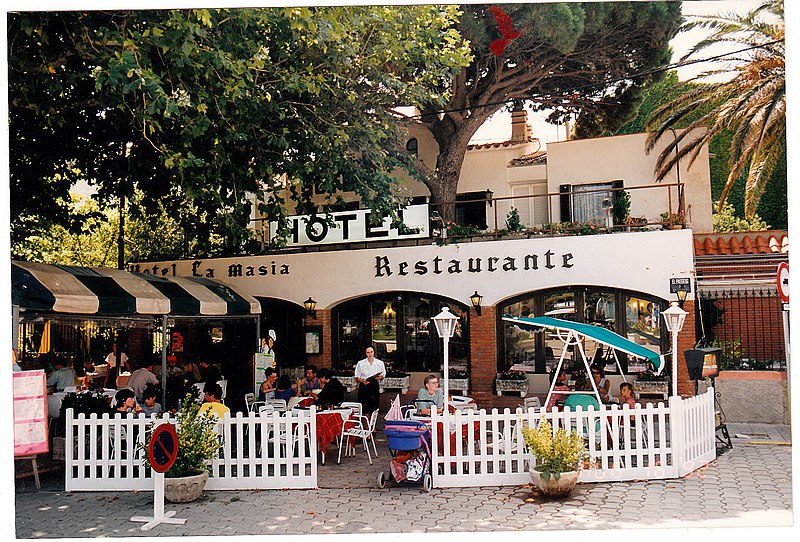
(364, 370)
(111, 359)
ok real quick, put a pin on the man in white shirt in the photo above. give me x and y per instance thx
(139, 380)
(369, 372)
(111, 361)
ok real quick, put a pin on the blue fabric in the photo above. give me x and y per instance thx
(582, 400)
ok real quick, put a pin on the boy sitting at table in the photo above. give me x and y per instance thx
(332, 392)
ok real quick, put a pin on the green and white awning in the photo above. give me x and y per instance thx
(596, 333)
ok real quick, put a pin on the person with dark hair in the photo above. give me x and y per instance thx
(369, 372)
(267, 389)
(125, 401)
(208, 372)
(311, 383)
(561, 386)
(332, 392)
(603, 384)
(284, 389)
(141, 378)
(212, 404)
(62, 377)
(150, 406)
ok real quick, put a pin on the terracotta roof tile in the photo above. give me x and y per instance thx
(741, 243)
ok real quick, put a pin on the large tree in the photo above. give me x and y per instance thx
(585, 58)
(750, 102)
(199, 108)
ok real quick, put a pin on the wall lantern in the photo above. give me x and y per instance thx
(311, 307)
(682, 297)
(476, 301)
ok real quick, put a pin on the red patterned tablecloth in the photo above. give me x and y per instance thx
(456, 436)
(329, 426)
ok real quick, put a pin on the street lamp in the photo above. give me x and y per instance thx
(674, 317)
(445, 327)
(311, 307)
(475, 299)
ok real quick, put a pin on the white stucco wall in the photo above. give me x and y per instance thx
(624, 158)
(640, 261)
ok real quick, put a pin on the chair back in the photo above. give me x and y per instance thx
(531, 402)
(249, 399)
(265, 409)
(293, 402)
(224, 385)
(373, 420)
(357, 408)
(200, 386)
(582, 400)
(278, 404)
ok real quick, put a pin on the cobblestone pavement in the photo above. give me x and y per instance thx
(747, 486)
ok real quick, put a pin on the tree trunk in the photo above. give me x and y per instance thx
(443, 184)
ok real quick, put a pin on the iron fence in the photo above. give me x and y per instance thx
(747, 324)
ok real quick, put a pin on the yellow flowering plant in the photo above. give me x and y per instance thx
(198, 441)
(555, 452)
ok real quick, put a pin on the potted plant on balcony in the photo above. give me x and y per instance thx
(672, 221)
(558, 458)
(198, 443)
(512, 381)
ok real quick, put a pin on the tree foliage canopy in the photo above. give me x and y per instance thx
(567, 58)
(199, 108)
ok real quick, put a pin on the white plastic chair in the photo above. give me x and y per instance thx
(249, 399)
(357, 407)
(224, 385)
(278, 404)
(531, 402)
(200, 386)
(362, 428)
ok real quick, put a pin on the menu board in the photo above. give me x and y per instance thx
(262, 362)
(30, 413)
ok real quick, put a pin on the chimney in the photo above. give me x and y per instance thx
(520, 131)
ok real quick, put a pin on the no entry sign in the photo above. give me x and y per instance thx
(163, 448)
(783, 281)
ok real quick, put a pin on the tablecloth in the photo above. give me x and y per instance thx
(329, 426)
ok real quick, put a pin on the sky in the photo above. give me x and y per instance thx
(498, 127)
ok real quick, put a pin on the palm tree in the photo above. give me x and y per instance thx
(751, 103)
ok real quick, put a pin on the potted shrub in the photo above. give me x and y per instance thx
(512, 381)
(672, 221)
(458, 380)
(198, 443)
(558, 458)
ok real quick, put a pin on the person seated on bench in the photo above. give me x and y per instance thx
(430, 394)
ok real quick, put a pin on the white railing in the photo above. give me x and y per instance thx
(651, 442)
(273, 451)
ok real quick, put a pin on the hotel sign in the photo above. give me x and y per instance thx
(353, 226)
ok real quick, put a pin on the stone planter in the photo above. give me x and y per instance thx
(400, 383)
(459, 384)
(185, 489)
(512, 386)
(651, 387)
(556, 489)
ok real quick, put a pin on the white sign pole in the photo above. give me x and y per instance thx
(158, 507)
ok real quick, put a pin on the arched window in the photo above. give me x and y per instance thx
(412, 146)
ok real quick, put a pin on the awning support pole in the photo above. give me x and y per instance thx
(164, 361)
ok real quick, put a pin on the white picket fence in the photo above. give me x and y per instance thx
(272, 451)
(661, 441)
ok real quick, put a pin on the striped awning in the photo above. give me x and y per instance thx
(115, 292)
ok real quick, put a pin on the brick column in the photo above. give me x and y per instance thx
(325, 359)
(483, 352)
(686, 340)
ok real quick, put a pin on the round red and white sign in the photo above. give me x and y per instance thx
(783, 281)
(163, 448)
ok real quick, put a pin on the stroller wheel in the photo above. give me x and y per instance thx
(427, 483)
(381, 480)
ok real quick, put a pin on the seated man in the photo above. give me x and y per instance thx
(62, 377)
(212, 405)
(141, 378)
(332, 390)
(306, 387)
(429, 395)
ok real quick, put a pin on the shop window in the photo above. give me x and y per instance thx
(643, 324)
(584, 202)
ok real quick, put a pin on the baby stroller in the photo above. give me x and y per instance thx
(410, 446)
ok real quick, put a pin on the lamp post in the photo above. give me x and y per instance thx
(674, 317)
(445, 327)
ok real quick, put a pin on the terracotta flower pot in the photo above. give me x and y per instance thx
(185, 489)
(553, 488)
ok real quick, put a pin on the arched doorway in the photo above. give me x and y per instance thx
(399, 326)
(634, 315)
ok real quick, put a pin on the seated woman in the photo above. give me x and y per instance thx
(125, 402)
(267, 389)
(429, 395)
(603, 384)
(284, 389)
